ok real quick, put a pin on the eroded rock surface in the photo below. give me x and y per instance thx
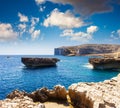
(96, 95)
(24, 102)
(42, 95)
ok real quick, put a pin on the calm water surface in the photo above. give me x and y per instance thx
(14, 75)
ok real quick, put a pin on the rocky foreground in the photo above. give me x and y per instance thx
(79, 95)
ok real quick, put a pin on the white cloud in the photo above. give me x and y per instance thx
(31, 30)
(38, 2)
(80, 36)
(22, 26)
(63, 20)
(34, 21)
(35, 34)
(23, 18)
(118, 32)
(115, 34)
(92, 29)
(7, 33)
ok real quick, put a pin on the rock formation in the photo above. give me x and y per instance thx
(87, 49)
(39, 62)
(42, 95)
(96, 95)
(105, 63)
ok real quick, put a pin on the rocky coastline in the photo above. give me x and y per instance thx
(104, 94)
(87, 49)
(105, 63)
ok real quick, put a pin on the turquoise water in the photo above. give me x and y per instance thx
(14, 75)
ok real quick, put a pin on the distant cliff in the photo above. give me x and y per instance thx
(86, 49)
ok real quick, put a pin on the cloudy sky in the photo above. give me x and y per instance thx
(39, 26)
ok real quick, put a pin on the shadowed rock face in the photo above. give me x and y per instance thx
(105, 63)
(42, 95)
(39, 62)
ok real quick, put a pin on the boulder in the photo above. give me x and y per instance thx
(16, 93)
(59, 92)
(96, 95)
(42, 95)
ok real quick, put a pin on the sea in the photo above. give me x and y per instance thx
(69, 70)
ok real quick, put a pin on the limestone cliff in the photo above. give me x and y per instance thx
(96, 95)
(87, 49)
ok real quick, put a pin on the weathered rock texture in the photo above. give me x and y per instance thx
(42, 95)
(105, 63)
(96, 95)
(87, 49)
(39, 62)
(24, 102)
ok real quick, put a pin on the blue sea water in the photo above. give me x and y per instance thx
(14, 75)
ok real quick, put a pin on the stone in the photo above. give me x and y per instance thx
(96, 95)
(40, 95)
(59, 92)
(17, 93)
(105, 63)
(22, 102)
(39, 62)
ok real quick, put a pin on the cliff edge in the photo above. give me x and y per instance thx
(87, 49)
(96, 95)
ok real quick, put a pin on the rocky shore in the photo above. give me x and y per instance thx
(79, 95)
(105, 63)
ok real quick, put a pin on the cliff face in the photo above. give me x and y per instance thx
(87, 49)
(96, 95)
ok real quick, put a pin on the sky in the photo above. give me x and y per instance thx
(32, 27)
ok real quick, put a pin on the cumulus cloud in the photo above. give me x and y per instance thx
(22, 28)
(7, 33)
(92, 29)
(35, 34)
(38, 2)
(88, 7)
(34, 21)
(80, 36)
(115, 34)
(63, 20)
(23, 18)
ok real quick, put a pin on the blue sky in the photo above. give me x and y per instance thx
(39, 26)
